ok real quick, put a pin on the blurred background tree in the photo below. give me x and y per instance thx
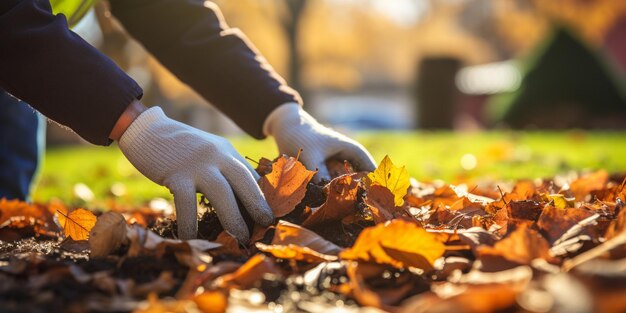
(394, 66)
(358, 62)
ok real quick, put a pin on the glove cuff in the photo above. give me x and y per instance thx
(144, 122)
(285, 112)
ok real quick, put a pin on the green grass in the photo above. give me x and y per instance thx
(427, 156)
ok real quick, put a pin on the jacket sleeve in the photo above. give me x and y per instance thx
(45, 64)
(192, 40)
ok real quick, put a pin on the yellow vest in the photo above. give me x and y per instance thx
(74, 10)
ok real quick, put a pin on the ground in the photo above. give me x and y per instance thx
(496, 240)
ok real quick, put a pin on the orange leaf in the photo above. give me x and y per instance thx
(341, 201)
(287, 233)
(77, 223)
(251, 272)
(588, 183)
(520, 247)
(295, 252)
(211, 302)
(286, 185)
(19, 214)
(397, 243)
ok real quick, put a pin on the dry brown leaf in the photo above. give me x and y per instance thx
(520, 247)
(588, 183)
(368, 287)
(250, 273)
(77, 224)
(230, 245)
(295, 252)
(286, 185)
(617, 226)
(287, 233)
(341, 201)
(525, 209)
(380, 201)
(555, 222)
(397, 243)
(107, 234)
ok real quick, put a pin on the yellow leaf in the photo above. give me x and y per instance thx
(77, 223)
(396, 179)
(561, 202)
(396, 243)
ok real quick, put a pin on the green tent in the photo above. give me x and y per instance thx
(566, 85)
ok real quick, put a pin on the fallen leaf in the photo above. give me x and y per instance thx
(341, 202)
(250, 273)
(617, 226)
(230, 245)
(287, 233)
(77, 223)
(295, 252)
(396, 179)
(561, 202)
(555, 222)
(525, 209)
(107, 234)
(520, 247)
(211, 302)
(588, 183)
(286, 185)
(18, 214)
(381, 202)
(397, 243)
(369, 287)
(523, 190)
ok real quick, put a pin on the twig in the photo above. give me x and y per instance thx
(298, 156)
(252, 160)
(502, 195)
(595, 252)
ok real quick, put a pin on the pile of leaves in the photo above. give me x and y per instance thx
(363, 242)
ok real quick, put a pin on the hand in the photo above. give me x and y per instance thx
(185, 160)
(294, 129)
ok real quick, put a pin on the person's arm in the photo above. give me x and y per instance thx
(69, 81)
(193, 41)
(54, 70)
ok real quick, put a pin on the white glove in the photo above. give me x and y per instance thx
(294, 129)
(185, 160)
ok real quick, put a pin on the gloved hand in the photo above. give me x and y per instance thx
(185, 160)
(294, 129)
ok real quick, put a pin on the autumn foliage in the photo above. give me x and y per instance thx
(374, 239)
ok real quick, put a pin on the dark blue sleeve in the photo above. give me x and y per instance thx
(191, 38)
(45, 64)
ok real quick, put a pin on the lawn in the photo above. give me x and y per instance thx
(452, 157)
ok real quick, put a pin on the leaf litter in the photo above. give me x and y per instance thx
(363, 242)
